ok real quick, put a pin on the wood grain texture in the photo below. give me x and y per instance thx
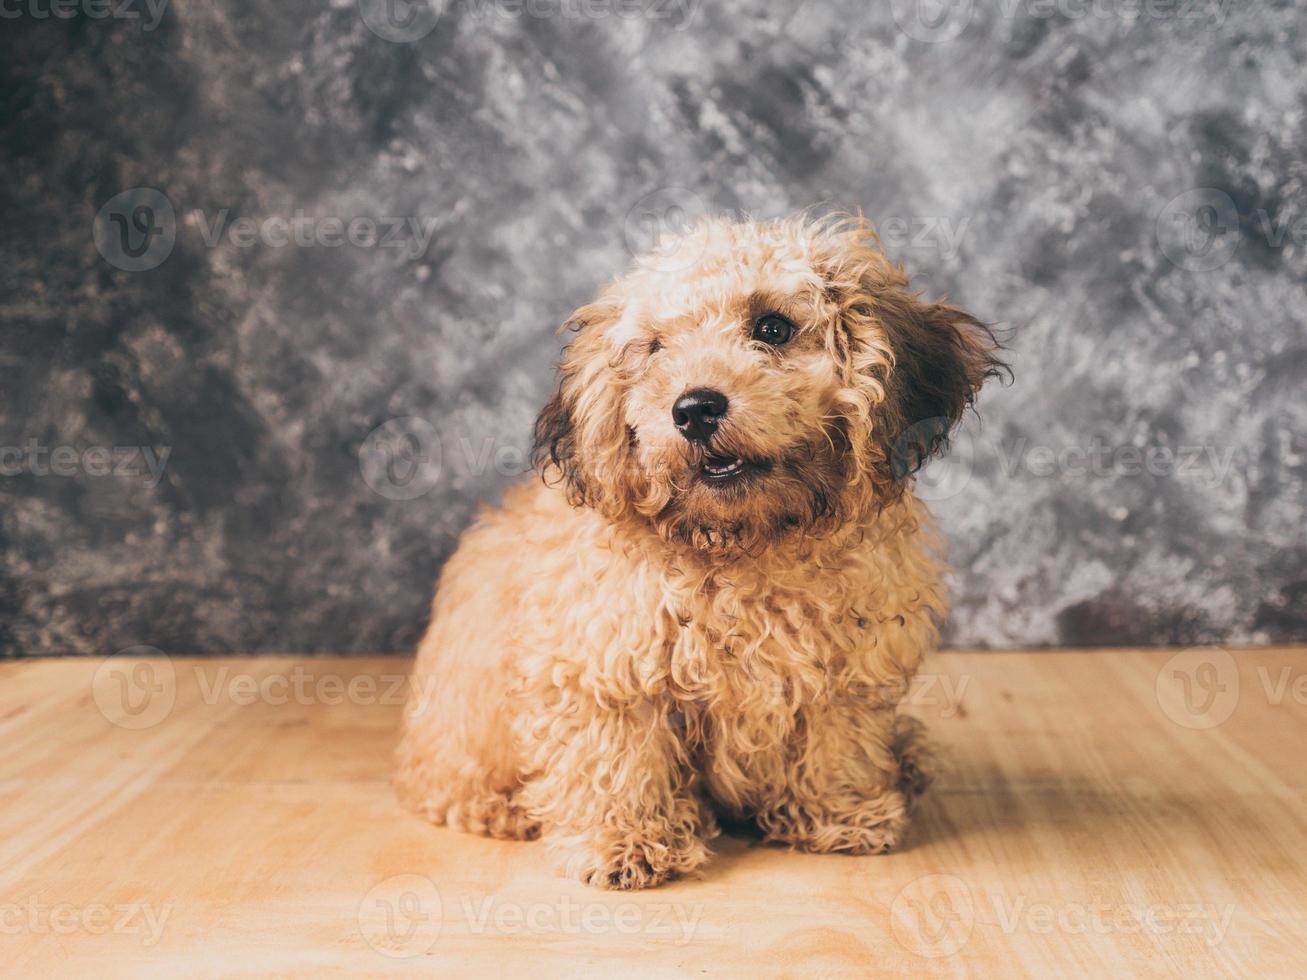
(240, 822)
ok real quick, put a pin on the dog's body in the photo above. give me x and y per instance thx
(720, 603)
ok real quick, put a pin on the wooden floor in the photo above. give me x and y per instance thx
(1107, 813)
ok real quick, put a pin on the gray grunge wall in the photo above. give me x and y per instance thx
(281, 284)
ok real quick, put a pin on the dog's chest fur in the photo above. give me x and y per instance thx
(738, 648)
(804, 633)
(757, 639)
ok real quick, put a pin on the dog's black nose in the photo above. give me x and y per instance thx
(697, 412)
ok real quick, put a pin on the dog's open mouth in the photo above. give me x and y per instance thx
(727, 469)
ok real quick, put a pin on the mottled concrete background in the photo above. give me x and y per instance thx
(1117, 183)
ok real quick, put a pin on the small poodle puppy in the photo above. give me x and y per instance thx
(715, 599)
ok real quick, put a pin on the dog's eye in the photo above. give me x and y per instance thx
(654, 346)
(774, 329)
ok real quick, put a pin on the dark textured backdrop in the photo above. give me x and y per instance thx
(1120, 184)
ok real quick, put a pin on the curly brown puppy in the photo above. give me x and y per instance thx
(715, 600)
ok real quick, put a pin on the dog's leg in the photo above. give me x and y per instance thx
(613, 790)
(852, 782)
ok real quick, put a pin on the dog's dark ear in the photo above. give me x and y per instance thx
(554, 452)
(942, 356)
(579, 434)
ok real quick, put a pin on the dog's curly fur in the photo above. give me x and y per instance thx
(626, 651)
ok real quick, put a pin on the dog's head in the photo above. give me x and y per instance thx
(756, 380)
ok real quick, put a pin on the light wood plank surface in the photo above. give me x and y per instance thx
(1106, 812)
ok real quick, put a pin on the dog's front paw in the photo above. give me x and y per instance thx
(873, 826)
(852, 838)
(630, 864)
